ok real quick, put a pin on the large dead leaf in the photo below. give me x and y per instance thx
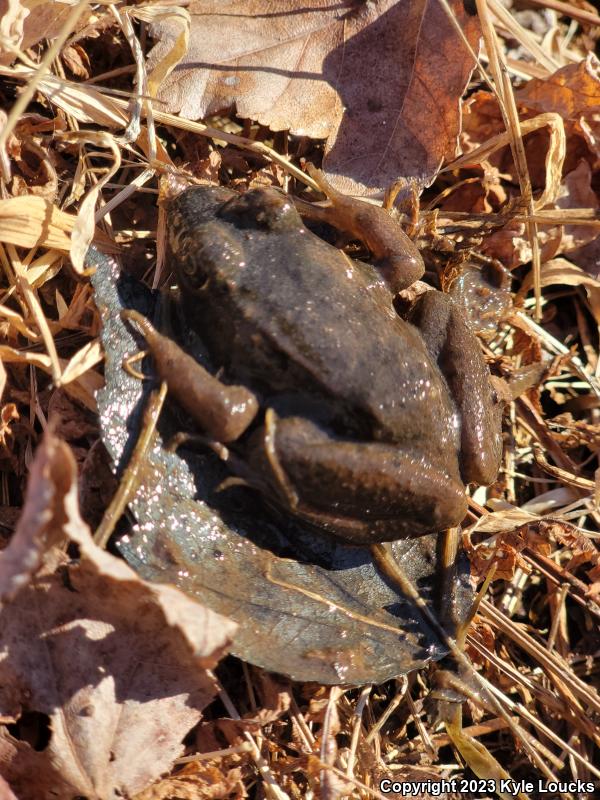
(117, 666)
(307, 606)
(380, 81)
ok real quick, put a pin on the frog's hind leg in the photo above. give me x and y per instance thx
(456, 351)
(358, 491)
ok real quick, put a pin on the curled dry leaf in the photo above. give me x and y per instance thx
(26, 22)
(559, 271)
(38, 529)
(275, 696)
(572, 92)
(13, 14)
(380, 81)
(577, 192)
(504, 553)
(199, 781)
(116, 665)
(583, 548)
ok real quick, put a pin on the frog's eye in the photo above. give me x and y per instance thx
(205, 251)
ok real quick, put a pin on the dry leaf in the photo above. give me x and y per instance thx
(483, 633)
(502, 556)
(559, 272)
(574, 93)
(28, 21)
(12, 20)
(5, 792)
(77, 61)
(275, 696)
(117, 711)
(588, 258)
(577, 192)
(199, 781)
(380, 81)
(38, 529)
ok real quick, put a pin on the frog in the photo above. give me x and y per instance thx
(361, 422)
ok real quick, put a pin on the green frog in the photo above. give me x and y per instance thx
(360, 422)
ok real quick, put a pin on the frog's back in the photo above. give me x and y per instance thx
(286, 312)
(310, 319)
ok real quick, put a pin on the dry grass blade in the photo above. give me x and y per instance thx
(564, 678)
(33, 222)
(523, 36)
(511, 117)
(570, 10)
(29, 295)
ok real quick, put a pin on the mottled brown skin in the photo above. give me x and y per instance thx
(372, 424)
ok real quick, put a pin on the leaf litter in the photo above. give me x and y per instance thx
(535, 639)
(116, 669)
(339, 76)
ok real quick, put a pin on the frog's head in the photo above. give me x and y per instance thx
(264, 209)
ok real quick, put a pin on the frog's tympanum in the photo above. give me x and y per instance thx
(342, 413)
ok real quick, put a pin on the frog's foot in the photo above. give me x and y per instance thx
(185, 439)
(456, 350)
(398, 258)
(223, 411)
(362, 492)
(130, 361)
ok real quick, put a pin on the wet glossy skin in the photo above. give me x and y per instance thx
(360, 422)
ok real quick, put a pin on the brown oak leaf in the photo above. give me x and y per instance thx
(115, 666)
(381, 81)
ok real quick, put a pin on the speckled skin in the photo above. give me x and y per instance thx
(378, 421)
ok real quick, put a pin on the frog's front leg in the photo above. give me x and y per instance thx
(455, 349)
(396, 256)
(362, 492)
(223, 412)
